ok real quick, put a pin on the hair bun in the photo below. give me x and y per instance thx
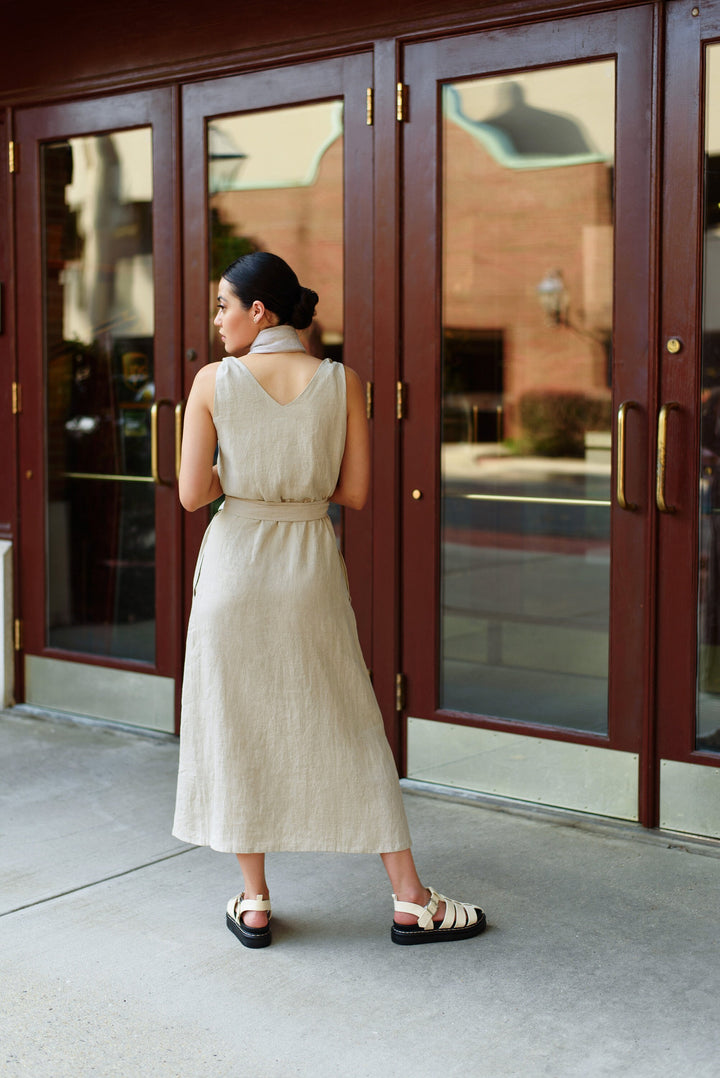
(304, 310)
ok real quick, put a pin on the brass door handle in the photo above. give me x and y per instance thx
(623, 410)
(154, 469)
(662, 457)
(179, 412)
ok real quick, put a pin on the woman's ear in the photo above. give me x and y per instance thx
(258, 310)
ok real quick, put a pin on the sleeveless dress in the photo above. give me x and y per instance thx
(282, 745)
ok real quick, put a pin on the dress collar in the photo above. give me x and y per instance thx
(277, 339)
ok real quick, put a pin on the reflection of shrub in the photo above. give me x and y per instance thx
(225, 246)
(554, 421)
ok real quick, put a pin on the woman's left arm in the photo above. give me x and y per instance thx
(198, 483)
(354, 480)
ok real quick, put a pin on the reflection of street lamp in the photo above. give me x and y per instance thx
(554, 298)
(555, 301)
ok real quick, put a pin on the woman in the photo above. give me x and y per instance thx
(282, 743)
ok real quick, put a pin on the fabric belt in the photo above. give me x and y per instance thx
(243, 507)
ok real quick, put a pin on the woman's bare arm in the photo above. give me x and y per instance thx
(354, 481)
(198, 483)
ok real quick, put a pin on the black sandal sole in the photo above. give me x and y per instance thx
(407, 935)
(249, 937)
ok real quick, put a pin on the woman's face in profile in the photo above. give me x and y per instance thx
(236, 326)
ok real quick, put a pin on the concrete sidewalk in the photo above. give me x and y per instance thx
(601, 956)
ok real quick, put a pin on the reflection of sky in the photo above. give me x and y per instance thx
(134, 178)
(276, 148)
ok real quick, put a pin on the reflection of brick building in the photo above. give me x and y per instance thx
(303, 224)
(506, 228)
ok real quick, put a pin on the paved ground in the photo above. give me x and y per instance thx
(601, 958)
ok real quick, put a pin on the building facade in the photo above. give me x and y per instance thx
(510, 211)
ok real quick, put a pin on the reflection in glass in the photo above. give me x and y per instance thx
(708, 707)
(275, 183)
(99, 368)
(526, 424)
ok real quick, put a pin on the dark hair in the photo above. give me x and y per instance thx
(267, 277)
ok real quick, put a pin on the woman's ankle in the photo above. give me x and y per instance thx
(420, 896)
(422, 899)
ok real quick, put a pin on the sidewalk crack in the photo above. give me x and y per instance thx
(96, 883)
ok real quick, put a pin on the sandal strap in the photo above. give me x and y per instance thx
(259, 904)
(425, 913)
(457, 914)
(239, 905)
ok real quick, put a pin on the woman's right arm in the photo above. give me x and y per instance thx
(198, 483)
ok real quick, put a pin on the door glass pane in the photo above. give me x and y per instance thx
(526, 379)
(708, 709)
(275, 183)
(99, 368)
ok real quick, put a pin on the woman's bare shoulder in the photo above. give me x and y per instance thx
(205, 377)
(208, 372)
(203, 387)
(353, 382)
(350, 374)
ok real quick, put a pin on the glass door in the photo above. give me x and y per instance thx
(526, 476)
(688, 430)
(286, 168)
(98, 368)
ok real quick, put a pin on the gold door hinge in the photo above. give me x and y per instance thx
(16, 398)
(400, 400)
(369, 106)
(18, 633)
(400, 691)
(12, 157)
(401, 103)
(369, 399)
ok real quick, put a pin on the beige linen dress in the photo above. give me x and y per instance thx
(282, 745)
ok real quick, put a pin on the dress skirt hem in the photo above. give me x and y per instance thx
(223, 848)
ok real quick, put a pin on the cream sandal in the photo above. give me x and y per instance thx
(461, 921)
(249, 937)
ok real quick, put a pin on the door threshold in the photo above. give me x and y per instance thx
(604, 825)
(47, 714)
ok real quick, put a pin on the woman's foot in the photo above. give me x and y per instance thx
(256, 918)
(248, 919)
(438, 919)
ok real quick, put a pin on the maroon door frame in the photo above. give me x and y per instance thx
(678, 532)
(627, 35)
(156, 108)
(7, 337)
(386, 661)
(344, 78)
